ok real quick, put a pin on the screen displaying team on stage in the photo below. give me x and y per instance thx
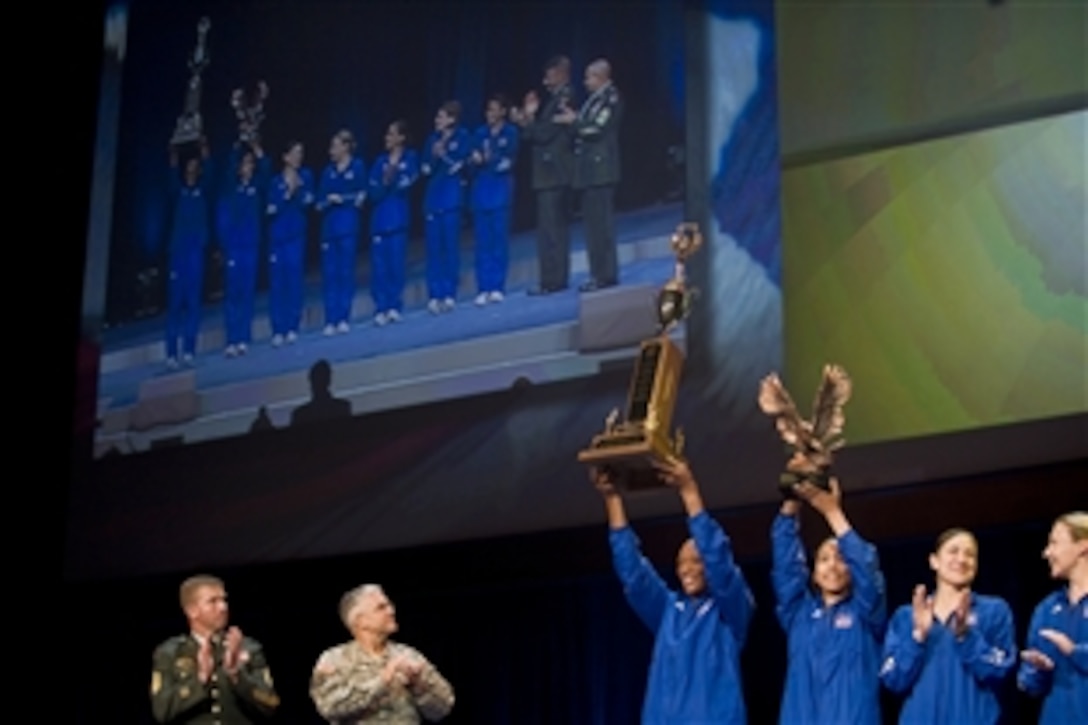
(276, 213)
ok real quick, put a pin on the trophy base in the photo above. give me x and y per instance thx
(189, 130)
(630, 457)
(789, 479)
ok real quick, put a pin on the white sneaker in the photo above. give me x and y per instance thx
(393, 316)
(381, 319)
(172, 363)
(292, 336)
(329, 330)
(343, 327)
(481, 299)
(449, 303)
(242, 349)
(434, 306)
(231, 351)
(277, 340)
(187, 358)
(495, 296)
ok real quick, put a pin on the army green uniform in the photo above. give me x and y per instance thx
(178, 695)
(596, 173)
(552, 168)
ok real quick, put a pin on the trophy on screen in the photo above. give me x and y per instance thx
(249, 110)
(810, 444)
(190, 125)
(629, 448)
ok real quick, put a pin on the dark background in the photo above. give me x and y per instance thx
(528, 629)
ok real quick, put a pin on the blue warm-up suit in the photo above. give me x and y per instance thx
(239, 222)
(443, 202)
(1065, 688)
(950, 680)
(340, 235)
(492, 195)
(189, 233)
(695, 668)
(388, 190)
(834, 651)
(287, 249)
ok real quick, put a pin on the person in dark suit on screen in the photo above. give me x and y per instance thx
(552, 172)
(322, 405)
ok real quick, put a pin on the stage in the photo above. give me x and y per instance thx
(422, 358)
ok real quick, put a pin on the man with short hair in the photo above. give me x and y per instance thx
(597, 170)
(373, 678)
(212, 674)
(552, 169)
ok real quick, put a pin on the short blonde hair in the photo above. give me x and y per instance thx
(1077, 522)
(190, 586)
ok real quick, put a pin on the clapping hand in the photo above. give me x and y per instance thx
(566, 116)
(1037, 659)
(1060, 640)
(234, 656)
(961, 613)
(921, 613)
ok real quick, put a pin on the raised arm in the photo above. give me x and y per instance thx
(643, 587)
(789, 569)
(867, 585)
(724, 578)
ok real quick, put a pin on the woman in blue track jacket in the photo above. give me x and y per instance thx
(1055, 664)
(834, 619)
(698, 631)
(951, 652)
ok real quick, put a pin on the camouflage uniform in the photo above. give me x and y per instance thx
(354, 692)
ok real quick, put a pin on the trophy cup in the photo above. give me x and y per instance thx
(190, 126)
(249, 110)
(629, 448)
(809, 443)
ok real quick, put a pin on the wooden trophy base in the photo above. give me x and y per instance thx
(630, 456)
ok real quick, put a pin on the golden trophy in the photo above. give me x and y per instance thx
(809, 443)
(629, 448)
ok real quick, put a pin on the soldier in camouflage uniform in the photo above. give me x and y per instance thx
(597, 170)
(213, 674)
(372, 678)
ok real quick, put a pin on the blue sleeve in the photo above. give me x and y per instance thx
(903, 657)
(645, 591)
(275, 194)
(512, 146)
(1029, 678)
(455, 158)
(410, 174)
(867, 587)
(724, 578)
(427, 155)
(989, 648)
(376, 190)
(789, 570)
(307, 188)
(357, 194)
(1079, 658)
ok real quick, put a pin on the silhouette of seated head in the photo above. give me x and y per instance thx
(320, 377)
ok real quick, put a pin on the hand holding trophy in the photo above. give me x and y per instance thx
(810, 443)
(632, 451)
